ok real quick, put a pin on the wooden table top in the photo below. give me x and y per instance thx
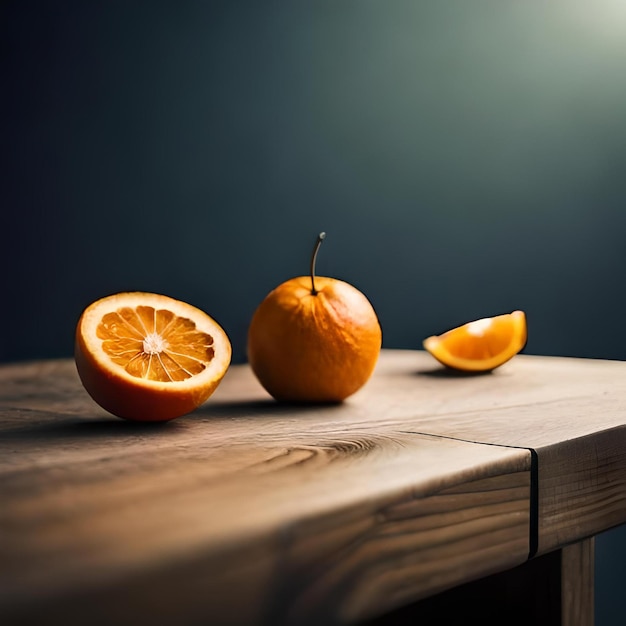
(249, 512)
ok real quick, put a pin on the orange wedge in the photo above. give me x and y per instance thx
(148, 357)
(481, 345)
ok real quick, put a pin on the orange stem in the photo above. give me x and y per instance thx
(318, 243)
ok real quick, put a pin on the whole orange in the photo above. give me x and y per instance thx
(314, 339)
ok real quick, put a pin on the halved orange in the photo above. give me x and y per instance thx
(148, 357)
(481, 345)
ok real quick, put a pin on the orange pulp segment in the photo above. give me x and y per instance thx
(481, 345)
(148, 357)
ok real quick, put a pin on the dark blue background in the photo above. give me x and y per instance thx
(466, 158)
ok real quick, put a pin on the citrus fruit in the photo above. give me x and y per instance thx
(148, 357)
(481, 345)
(314, 339)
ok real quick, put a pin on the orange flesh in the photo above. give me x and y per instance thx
(480, 344)
(155, 344)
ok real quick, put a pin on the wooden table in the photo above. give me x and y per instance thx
(425, 490)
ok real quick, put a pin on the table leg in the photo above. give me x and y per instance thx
(577, 581)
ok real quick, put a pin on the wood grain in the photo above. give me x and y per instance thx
(300, 509)
(570, 412)
(245, 512)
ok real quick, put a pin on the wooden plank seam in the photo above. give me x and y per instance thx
(533, 526)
